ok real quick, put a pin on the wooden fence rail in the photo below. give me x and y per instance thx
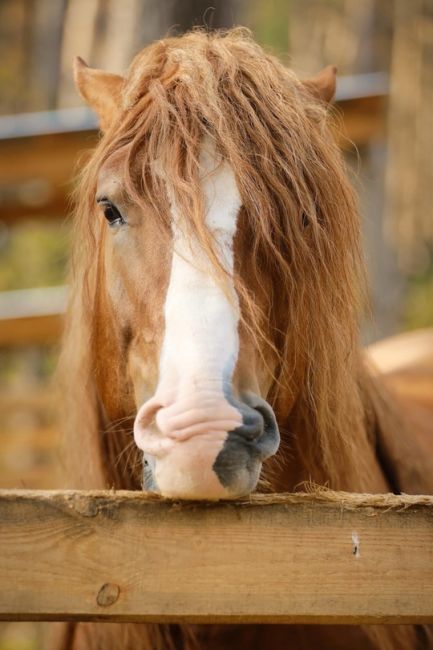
(31, 316)
(323, 558)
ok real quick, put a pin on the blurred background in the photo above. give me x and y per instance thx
(384, 53)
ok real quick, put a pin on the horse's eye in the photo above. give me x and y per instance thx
(111, 213)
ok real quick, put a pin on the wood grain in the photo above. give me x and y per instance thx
(296, 559)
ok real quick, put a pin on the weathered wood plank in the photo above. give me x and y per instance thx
(123, 556)
(37, 171)
(30, 330)
(31, 316)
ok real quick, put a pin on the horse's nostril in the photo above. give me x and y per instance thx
(267, 415)
(253, 423)
(261, 424)
(239, 462)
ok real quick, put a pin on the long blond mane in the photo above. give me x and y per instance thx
(299, 219)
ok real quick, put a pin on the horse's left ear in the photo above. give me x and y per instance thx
(102, 91)
(323, 84)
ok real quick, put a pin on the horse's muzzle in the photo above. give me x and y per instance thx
(210, 463)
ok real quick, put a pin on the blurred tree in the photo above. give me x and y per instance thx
(15, 28)
(78, 40)
(202, 13)
(409, 214)
(47, 20)
(355, 36)
(410, 135)
(30, 39)
(108, 33)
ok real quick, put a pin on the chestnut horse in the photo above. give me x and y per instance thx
(217, 282)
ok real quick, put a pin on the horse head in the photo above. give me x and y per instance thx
(214, 206)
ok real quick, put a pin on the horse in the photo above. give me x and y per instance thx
(212, 341)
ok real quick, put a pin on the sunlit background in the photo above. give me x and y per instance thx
(384, 53)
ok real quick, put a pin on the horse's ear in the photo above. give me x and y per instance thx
(100, 90)
(323, 84)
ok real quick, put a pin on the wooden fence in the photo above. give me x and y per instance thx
(323, 558)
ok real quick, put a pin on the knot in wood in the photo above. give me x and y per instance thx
(108, 594)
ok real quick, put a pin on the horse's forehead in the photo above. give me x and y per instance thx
(111, 176)
(112, 167)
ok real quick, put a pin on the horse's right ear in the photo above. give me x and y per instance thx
(323, 85)
(102, 91)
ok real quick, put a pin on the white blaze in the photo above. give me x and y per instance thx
(184, 426)
(201, 341)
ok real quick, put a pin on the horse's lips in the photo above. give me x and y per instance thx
(186, 470)
(158, 445)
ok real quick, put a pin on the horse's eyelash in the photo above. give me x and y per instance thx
(118, 220)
